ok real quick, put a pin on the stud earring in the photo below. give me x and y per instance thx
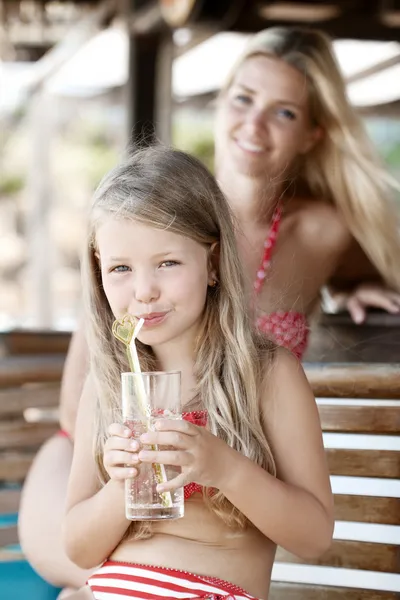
(213, 283)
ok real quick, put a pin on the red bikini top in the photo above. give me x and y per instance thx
(287, 328)
(197, 417)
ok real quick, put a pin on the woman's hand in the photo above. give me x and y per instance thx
(120, 451)
(204, 458)
(371, 295)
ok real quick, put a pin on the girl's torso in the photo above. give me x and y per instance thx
(200, 543)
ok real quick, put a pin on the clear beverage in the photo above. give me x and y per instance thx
(161, 393)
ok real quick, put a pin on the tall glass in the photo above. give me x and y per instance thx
(146, 398)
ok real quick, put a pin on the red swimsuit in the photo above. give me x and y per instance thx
(286, 328)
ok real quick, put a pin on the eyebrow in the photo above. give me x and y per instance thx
(158, 255)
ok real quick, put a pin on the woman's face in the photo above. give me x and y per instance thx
(263, 121)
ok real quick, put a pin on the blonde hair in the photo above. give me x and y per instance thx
(164, 188)
(343, 168)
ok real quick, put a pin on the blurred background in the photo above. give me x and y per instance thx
(75, 75)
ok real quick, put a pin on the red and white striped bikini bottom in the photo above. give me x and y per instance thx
(119, 580)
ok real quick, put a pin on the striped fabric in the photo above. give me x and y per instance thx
(118, 580)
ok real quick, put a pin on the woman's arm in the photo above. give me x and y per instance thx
(295, 509)
(95, 519)
(73, 379)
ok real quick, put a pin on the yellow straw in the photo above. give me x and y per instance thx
(159, 470)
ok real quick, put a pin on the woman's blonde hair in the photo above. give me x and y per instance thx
(343, 167)
(164, 188)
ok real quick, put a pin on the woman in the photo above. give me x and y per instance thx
(305, 186)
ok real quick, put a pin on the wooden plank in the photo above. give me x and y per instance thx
(19, 434)
(14, 467)
(7, 555)
(35, 342)
(18, 370)
(364, 463)
(9, 500)
(367, 509)
(8, 535)
(294, 591)
(368, 556)
(354, 380)
(360, 419)
(15, 400)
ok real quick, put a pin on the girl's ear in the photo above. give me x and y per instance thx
(213, 264)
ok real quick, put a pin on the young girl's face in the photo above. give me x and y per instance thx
(155, 274)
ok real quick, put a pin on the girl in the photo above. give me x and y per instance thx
(161, 240)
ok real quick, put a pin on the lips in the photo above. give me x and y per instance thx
(153, 318)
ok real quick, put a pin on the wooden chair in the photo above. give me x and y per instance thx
(376, 382)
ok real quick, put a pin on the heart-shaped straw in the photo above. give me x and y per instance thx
(126, 330)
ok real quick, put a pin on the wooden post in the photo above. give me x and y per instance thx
(149, 87)
(38, 289)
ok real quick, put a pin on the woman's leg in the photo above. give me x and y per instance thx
(42, 511)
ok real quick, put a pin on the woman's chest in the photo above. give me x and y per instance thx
(288, 273)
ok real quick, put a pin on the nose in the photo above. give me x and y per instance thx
(256, 122)
(146, 289)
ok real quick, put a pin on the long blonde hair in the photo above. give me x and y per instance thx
(165, 188)
(343, 168)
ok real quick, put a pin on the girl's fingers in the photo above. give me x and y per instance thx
(176, 425)
(119, 443)
(119, 430)
(119, 458)
(165, 457)
(121, 473)
(173, 484)
(175, 439)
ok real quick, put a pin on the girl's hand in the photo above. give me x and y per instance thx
(120, 451)
(204, 458)
(376, 296)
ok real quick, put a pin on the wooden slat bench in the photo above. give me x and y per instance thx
(377, 417)
(32, 381)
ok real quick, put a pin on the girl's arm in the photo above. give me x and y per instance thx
(295, 509)
(95, 519)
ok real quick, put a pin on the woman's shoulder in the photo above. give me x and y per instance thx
(318, 223)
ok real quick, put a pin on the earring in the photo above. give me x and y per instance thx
(213, 283)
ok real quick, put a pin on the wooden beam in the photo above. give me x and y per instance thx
(149, 76)
(354, 380)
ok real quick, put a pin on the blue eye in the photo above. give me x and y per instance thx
(286, 114)
(169, 263)
(120, 269)
(242, 99)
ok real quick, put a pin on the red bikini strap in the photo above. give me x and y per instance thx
(269, 246)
